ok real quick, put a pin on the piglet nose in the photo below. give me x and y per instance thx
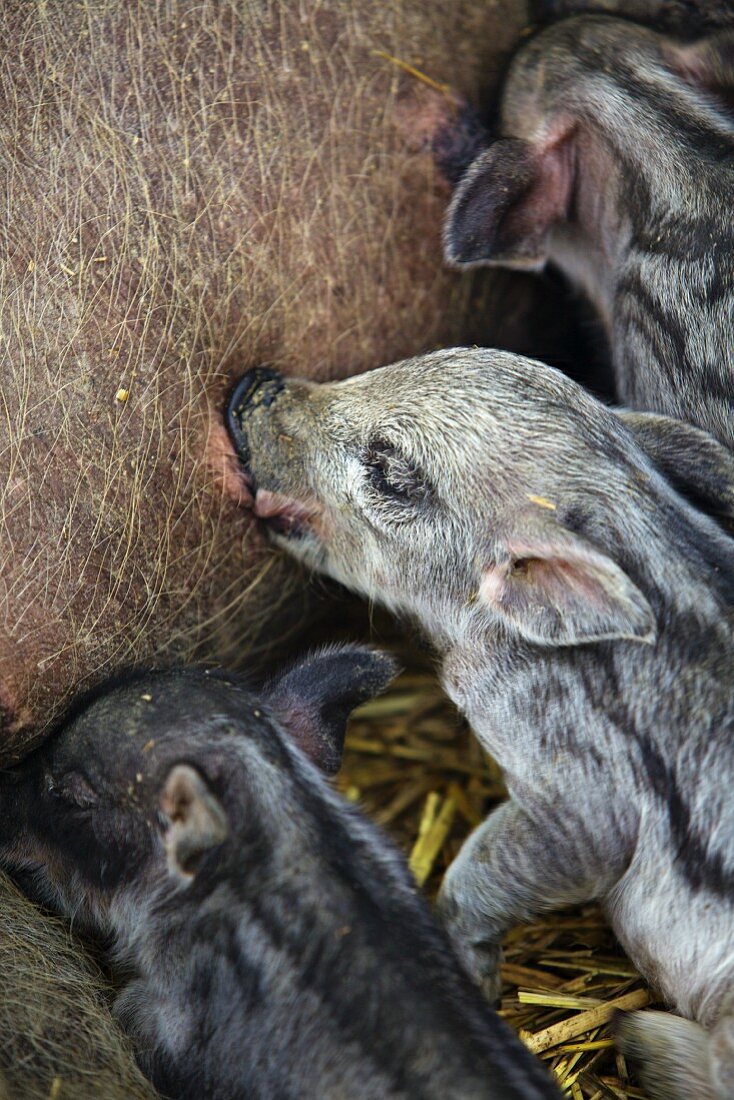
(259, 387)
(256, 389)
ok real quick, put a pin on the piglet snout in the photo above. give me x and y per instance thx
(258, 388)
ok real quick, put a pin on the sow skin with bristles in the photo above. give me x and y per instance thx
(270, 943)
(615, 161)
(189, 188)
(572, 566)
(59, 1038)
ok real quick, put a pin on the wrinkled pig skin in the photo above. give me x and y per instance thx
(57, 1035)
(188, 190)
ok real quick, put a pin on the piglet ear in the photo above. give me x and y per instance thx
(557, 589)
(314, 698)
(707, 64)
(504, 206)
(696, 465)
(195, 818)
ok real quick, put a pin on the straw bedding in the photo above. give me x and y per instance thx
(413, 764)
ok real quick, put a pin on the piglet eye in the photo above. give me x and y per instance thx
(392, 475)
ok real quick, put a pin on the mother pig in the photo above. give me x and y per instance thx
(189, 189)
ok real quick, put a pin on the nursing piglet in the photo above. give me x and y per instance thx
(616, 162)
(571, 565)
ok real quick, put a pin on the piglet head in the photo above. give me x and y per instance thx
(161, 777)
(591, 107)
(473, 489)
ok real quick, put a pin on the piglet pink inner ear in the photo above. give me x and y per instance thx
(557, 589)
(195, 818)
(505, 204)
(314, 698)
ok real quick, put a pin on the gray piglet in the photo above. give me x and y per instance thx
(616, 162)
(572, 567)
(270, 942)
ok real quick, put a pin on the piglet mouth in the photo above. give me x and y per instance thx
(283, 515)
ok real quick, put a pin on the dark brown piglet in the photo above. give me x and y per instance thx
(271, 942)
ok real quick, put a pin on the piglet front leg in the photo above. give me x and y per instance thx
(511, 868)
